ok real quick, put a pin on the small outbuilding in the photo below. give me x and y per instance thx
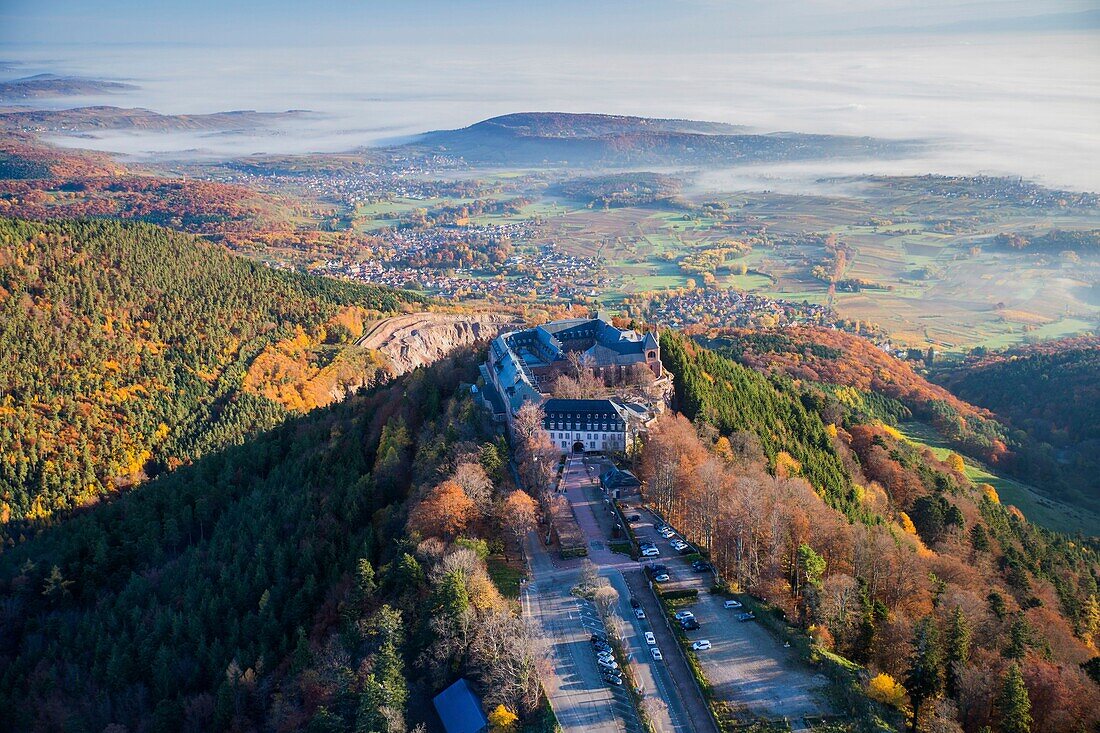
(619, 483)
(460, 709)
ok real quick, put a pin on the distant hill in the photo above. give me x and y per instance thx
(118, 118)
(1051, 391)
(51, 85)
(856, 376)
(136, 349)
(552, 138)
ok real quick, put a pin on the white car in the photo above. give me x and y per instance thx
(657, 654)
(639, 613)
(701, 645)
(732, 604)
(667, 533)
(605, 656)
(608, 665)
(650, 638)
(662, 578)
(651, 552)
(681, 615)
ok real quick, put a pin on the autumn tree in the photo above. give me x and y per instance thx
(444, 512)
(518, 516)
(475, 482)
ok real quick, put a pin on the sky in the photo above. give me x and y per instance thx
(1001, 87)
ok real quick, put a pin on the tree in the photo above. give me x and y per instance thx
(924, 677)
(886, 690)
(473, 479)
(444, 512)
(606, 598)
(518, 516)
(1013, 704)
(957, 648)
(502, 720)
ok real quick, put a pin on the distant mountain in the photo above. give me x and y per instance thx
(51, 85)
(552, 138)
(117, 118)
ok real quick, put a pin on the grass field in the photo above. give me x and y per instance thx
(1036, 507)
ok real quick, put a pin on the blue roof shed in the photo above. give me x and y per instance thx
(460, 709)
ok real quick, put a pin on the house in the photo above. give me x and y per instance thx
(619, 483)
(460, 709)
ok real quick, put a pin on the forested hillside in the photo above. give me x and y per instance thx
(849, 372)
(126, 348)
(1051, 392)
(735, 399)
(881, 553)
(328, 574)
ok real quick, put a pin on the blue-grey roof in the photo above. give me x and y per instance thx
(460, 709)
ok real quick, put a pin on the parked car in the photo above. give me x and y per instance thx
(657, 654)
(650, 638)
(634, 518)
(634, 603)
(689, 624)
(681, 615)
(595, 638)
(701, 645)
(644, 545)
(749, 616)
(639, 613)
(732, 604)
(686, 550)
(662, 577)
(654, 568)
(613, 679)
(677, 544)
(701, 566)
(607, 663)
(605, 657)
(651, 552)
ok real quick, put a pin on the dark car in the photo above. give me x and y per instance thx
(634, 518)
(634, 603)
(656, 569)
(689, 624)
(747, 616)
(687, 550)
(701, 566)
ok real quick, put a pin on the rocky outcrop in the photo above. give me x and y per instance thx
(419, 339)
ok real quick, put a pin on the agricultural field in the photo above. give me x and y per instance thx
(929, 271)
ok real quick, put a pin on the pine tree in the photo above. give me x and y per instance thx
(958, 648)
(924, 678)
(1013, 704)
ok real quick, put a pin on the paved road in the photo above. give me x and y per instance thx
(680, 705)
(581, 700)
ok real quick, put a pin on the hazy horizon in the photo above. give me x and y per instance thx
(1001, 88)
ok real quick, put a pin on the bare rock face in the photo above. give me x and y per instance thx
(419, 339)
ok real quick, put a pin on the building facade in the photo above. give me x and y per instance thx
(522, 366)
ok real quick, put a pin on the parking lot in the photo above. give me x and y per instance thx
(745, 665)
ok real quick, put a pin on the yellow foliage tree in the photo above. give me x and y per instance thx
(502, 720)
(906, 523)
(786, 465)
(830, 430)
(990, 493)
(886, 690)
(956, 462)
